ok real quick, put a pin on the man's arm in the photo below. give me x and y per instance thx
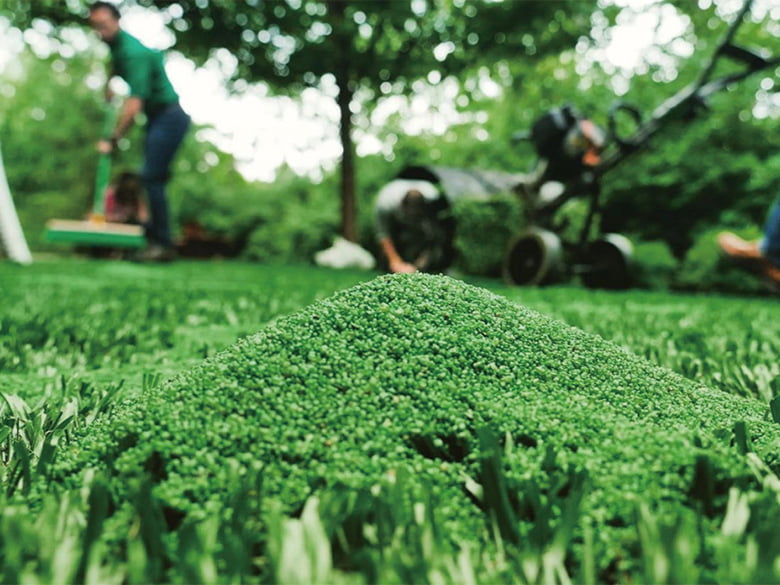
(394, 260)
(383, 220)
(130, 109)
(108, 93)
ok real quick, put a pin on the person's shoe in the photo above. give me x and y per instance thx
(155, 253)
(771, 275)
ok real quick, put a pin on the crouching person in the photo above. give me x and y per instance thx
(414, 227)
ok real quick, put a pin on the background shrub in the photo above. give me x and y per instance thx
(299, 218)
(483, 231)
(654, 265)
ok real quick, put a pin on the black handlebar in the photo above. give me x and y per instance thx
(681, 106)
(688, 101)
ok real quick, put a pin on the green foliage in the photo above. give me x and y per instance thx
(213, 194)
(376, 49)
(54, 332)
(675, 550)
(570, 221)
(299, 219)
(654, 265)
(48, 135)
(34, 433)
(765, 178)
(483, 229)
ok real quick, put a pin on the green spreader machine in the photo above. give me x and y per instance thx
(95, 230)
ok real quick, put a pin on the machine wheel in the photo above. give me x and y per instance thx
(534, 257)
(608, 263)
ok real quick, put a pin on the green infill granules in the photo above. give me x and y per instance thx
(402, 372)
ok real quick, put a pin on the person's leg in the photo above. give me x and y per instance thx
(770, 245)
(164, 135)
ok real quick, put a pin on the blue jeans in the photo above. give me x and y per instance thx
(770, 245)
(164, 134)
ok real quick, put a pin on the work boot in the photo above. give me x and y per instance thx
(771, 275)
(155, 253)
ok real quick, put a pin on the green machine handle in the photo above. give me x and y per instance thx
(103, 174)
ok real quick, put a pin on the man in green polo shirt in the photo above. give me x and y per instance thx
(151, 92)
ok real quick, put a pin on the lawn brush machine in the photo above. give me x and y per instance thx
(95, 230)
(573, 155)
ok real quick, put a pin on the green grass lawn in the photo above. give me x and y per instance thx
(109, 321)
(409, 429)
(192, 309)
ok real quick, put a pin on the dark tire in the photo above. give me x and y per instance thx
(608, 263)
(534, 257)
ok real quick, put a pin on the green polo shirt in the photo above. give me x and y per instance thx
(142, 68)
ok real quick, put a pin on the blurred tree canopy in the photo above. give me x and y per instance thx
(378, 46)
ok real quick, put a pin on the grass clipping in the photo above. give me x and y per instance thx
(401, 372)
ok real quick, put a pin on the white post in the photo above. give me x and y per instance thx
(11, 234)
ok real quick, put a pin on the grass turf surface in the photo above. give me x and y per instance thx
(399, 373)
(109, 320)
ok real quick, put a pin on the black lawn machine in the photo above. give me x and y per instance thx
(573, 155)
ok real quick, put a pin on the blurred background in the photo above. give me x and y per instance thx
(303, 109)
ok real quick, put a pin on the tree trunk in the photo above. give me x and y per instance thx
(343, 44)
(348, 207)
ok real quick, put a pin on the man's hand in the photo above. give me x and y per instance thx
(105, 147)
(401, 267)
(395, 263)
(422, 260)
(131, 108)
